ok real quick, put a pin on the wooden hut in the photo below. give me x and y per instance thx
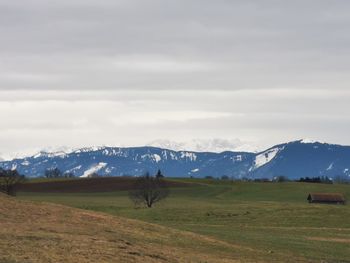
(326, 198)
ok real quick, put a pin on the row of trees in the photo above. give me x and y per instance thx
(56, 173)
(318, 179)
(282, 178)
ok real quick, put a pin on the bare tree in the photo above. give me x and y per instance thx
(9, 180)
(148, 190)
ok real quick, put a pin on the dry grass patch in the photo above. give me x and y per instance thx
(41, 232)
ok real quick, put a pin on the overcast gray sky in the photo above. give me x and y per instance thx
(124, 72)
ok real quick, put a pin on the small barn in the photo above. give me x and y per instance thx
(326, 198)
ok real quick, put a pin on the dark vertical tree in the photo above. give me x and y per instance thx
(148, 190)
(159, 174)
(9, 181)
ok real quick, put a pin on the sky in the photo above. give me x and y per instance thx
(124, 72)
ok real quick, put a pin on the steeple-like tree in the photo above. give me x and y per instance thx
(159, 174)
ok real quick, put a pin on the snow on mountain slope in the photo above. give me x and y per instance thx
(330, 167)
(189, 155)
(16, 155)
(48, 151)
(94, 169)
(309, 141)
(266, 157)
(206, 145)
(50, 154)
(157, 158)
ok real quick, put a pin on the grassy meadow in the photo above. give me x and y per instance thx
(266, 221)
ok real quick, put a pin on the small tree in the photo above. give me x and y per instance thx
(9, 180)
(148, 190)
(159, 174)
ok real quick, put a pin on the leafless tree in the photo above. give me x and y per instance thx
(9, 180)
(148, 190)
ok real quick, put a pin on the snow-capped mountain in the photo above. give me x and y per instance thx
(206, 145)
(31, 152)
(293, 160)
(132, 161)
(304, 158)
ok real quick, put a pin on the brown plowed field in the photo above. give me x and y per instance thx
(86, 185)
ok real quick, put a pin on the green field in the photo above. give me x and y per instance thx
(273, 220)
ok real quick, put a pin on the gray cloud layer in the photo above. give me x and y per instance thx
(127, 72)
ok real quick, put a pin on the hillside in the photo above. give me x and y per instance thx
(41, 232)
(294, 160)
(266, 222)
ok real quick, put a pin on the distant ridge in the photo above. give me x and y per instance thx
(294, 160)
(206, 145)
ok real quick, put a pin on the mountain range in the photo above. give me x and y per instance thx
(206, 145)
(294, 160)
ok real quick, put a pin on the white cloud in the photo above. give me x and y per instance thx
(156, 64)
(127, 72)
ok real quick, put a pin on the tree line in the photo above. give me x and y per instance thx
(57, 173)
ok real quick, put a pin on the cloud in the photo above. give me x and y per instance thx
(87, 45)
(158, 65)
(127, 72)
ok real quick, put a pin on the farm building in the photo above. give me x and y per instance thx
(326, 198)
